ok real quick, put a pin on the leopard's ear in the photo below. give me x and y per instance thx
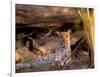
(58, 33)
(69, 31)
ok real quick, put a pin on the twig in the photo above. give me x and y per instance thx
(35, 45)
(46, 35)
(24, 36)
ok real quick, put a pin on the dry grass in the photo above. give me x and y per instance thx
(87, 17)
(88, 23)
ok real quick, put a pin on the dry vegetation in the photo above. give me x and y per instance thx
(53, 38)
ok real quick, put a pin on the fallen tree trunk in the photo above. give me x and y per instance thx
(32, 14)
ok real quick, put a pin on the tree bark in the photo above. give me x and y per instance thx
(32, 14)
